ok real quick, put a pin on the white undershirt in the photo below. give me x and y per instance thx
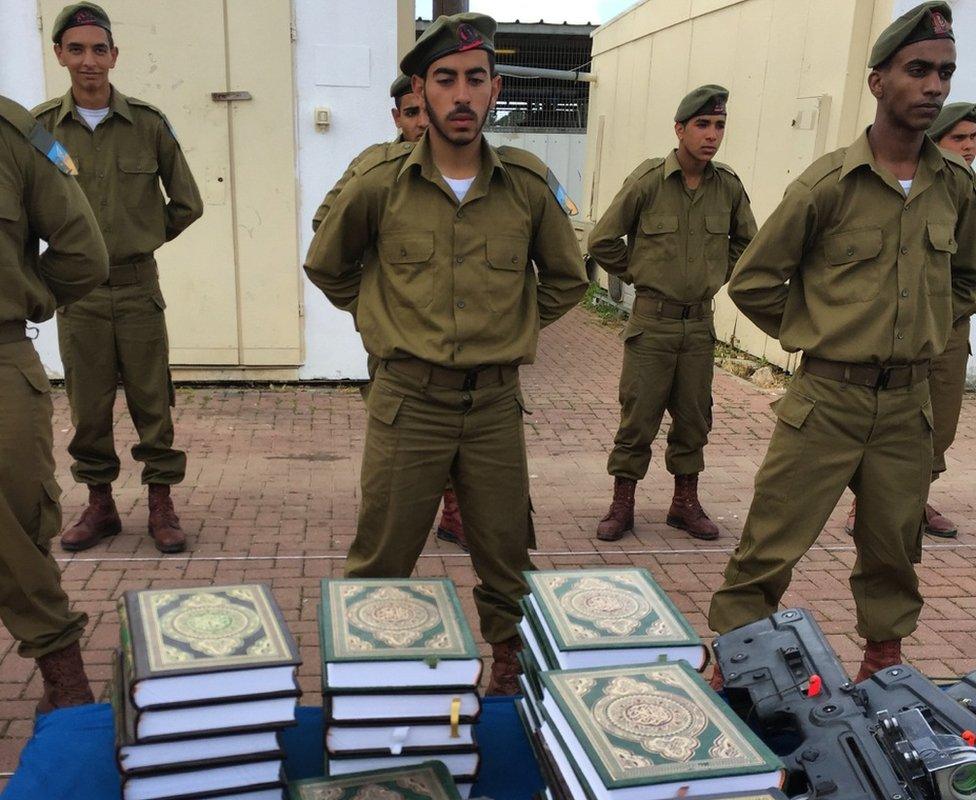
(92, 116)
(459, 186)
(906, 185)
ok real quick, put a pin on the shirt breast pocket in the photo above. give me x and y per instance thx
(938, 264)
(507, 258)
(851, 273)
(138, 182)
(657, 240)
(409, 275)
(717, 239)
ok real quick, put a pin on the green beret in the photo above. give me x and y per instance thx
(925, 21)
(400, 87)
(446, 35)
(78, 14)
(707, 99)
(949, 116)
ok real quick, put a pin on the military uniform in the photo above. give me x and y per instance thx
(119, 331)
(875, 281)
(444, 294)
(36, 201)
(681, 246)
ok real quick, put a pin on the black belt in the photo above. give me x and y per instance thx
(11, 332)
(874, 376)
(460, 379)
(668, 309)
(142, 270)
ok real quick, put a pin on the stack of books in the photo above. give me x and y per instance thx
(645, 732)
(428, 780)
(400, 674)
(204, 682)
(599, 618)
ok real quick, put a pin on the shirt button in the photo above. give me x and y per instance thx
(904, 251)
(691, 258)
(850, 251)
(104, 203)
(951, 242)
(466, 397)
(403, 251)
(515, 259)
(659, 226)
(904, 292)
(460, 213)
(459, 259)
(460, 304)
(460, 347)
(899, 335)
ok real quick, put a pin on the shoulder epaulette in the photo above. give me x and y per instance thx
(381, 153)
(518, 157)
(48, 105)
(644, 167)
(725, 168)
(135, 101)
(39, 136)
(822, 167)
(959, 161)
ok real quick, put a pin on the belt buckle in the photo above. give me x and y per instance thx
(883, 378)
(470, 380)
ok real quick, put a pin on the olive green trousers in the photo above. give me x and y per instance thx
(947, 383)
(828, 436)
(417, 436)
(668, 366)
(33, 606)
(119, 332)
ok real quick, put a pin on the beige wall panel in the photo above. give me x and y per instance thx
(643, 20)
(196, 270)
(263, 141)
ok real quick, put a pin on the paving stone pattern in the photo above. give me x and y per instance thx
(272, 491)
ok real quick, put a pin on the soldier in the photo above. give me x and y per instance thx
(37, 201)
(431, 247)
(410, 117)
(124, 147)
(953, 130)
(863, 266)
(687, 220)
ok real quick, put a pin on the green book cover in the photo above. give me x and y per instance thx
(772, 794)
(535, 626)
(597, 609)
(654, 723)
(427, 781)
(168, 632)
(393, 619)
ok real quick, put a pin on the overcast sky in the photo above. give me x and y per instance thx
(595, 11)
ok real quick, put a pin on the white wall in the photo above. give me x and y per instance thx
(338, 43)
(22, 79)
(564, 153)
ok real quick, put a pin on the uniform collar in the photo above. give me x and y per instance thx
(672, 165)
(860, 154)
(422, 157)
(118, 104)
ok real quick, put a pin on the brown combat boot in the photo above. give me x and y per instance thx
(505, 667)
(620, 518)
(851, 518)
(450, 529)
(937, 525)
(98, 520)
(65, 681)
(164, 525)
(878, 656)
(686, 512)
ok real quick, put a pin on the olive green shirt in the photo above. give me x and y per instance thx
(681, 244)
(451, 283)
(333, 193)
(120, 166)
(38, 201)
(849, 269)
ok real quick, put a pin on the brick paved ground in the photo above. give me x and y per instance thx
(272, 493)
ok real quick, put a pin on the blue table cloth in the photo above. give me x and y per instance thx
(72, 755)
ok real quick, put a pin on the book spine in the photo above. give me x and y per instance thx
(132, 640)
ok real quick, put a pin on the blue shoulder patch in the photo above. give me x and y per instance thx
(52, 149)
(562, 196)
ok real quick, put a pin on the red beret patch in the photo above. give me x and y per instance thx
(940, 25)
(468, 38)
